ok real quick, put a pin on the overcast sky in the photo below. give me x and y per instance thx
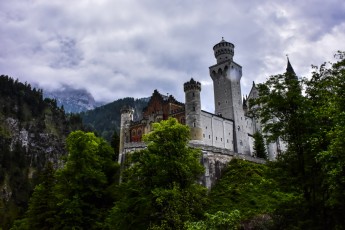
(128, 48)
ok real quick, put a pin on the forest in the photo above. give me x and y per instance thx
(302, 189)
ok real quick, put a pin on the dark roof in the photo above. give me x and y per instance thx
(289, 68)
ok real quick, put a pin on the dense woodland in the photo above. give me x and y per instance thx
(159, 189)
(32, 133)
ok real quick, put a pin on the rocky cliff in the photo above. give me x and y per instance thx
(32, 133)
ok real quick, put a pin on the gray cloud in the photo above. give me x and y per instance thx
(125, 48)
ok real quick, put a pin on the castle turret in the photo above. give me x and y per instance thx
(126, 118)
(226, 76)
(192, 90)
(223, 51)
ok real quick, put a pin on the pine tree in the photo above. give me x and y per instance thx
(259, 146)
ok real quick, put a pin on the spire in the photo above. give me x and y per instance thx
(289, 68)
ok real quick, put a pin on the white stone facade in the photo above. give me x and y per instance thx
(224, 134)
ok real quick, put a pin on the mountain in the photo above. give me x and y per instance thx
(32, 133)
(73, 100)
(106, 119)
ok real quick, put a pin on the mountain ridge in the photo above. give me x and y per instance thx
(72, 99)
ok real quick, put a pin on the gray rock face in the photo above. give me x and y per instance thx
(73, 100)
(40, 147)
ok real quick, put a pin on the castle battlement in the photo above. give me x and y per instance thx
(221, 135)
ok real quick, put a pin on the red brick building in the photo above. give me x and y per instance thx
(160, 107)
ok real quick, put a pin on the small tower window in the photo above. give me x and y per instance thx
(209, 136)
(193, 94)
(193, 124)
(193, 108)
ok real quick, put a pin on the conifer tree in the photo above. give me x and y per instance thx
(259, 146)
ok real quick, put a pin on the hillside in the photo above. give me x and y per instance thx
(32, 133)
(106, 119)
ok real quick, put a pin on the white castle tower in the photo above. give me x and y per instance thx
(126, 118)
(192, 90)
(226, 76)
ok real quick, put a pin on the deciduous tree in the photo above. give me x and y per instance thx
(160, 189)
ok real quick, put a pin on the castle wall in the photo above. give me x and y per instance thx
(213, 159)
(221, 136)
(217, 131)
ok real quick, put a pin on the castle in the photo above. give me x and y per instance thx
(222, 135)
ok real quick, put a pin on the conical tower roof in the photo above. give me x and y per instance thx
(289, 68)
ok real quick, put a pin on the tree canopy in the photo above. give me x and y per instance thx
(308, 115)
(77, 196)
(160, 189)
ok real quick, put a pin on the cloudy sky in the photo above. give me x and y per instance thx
(122, 48)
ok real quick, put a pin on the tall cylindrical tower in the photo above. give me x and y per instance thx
(126, 118)
(226, 76)
(192, 90)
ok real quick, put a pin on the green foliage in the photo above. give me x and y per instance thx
(42, 204)
(159, 190)
(23, 108)
(79, 195)
(312, 125)
(82, 184)
(259, 146)
(218, 221)
(247, 187)
(106, 119)
(115, 144)
(326, 90)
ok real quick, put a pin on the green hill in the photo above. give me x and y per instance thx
(106, 119)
